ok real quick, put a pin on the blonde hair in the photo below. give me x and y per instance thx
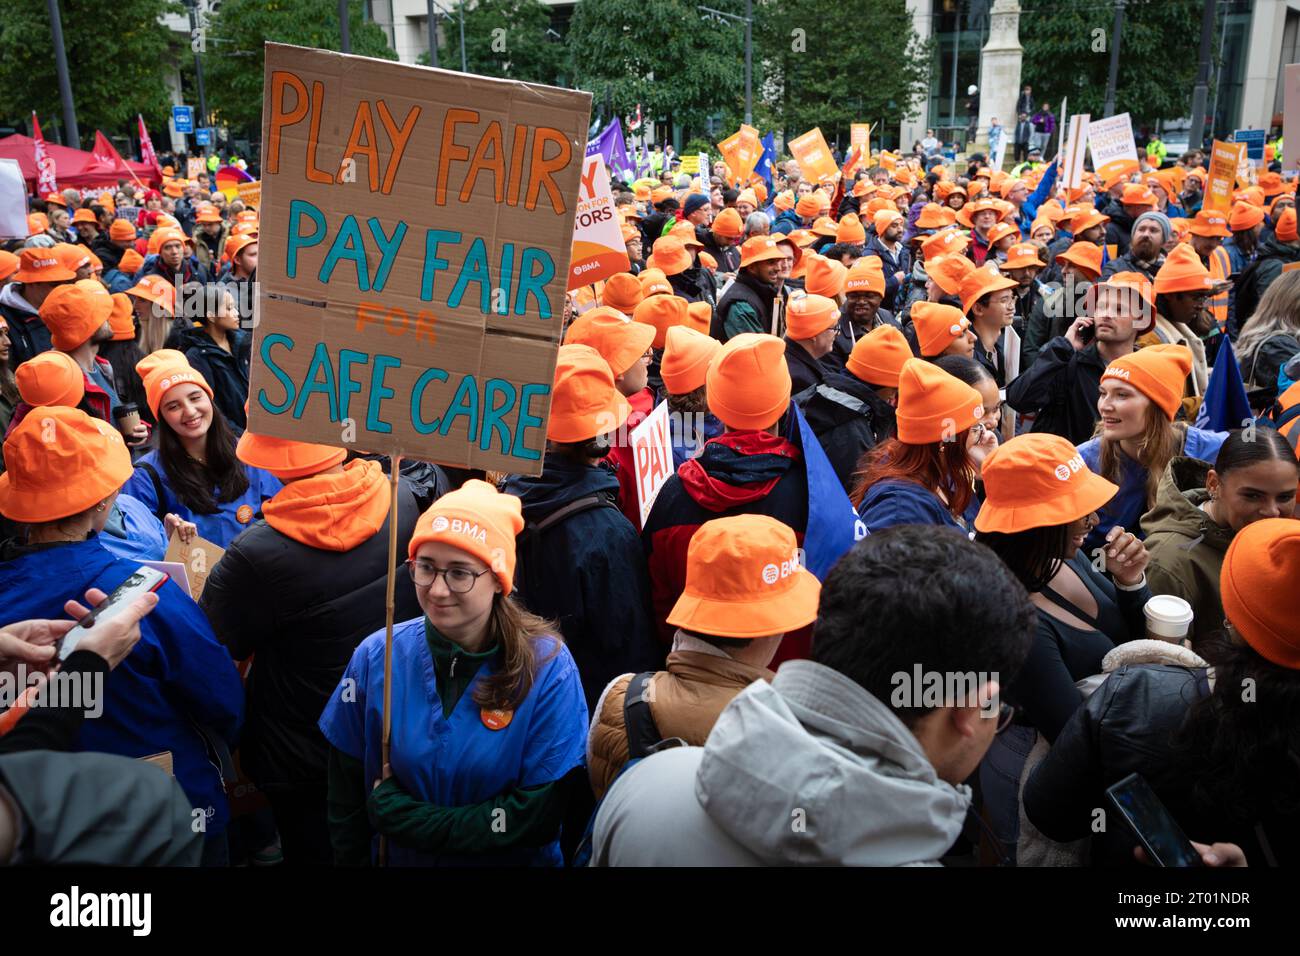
(1161, 441)
(1278, 312)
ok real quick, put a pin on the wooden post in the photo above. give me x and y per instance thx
(395, 470)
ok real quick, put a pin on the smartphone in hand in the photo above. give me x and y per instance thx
(141, 582)
(1153, 825)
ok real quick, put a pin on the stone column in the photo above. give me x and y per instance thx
(912, 128)
(1000, 72)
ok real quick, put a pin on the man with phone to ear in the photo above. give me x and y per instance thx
(1062, 385)
(83, 808)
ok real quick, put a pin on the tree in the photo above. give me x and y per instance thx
(828, 63)
(117, 62)
(506, 38)
(233, 62)
(1067, 53)
(658, 53)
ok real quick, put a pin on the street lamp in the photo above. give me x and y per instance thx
(748, 21)
(65, 84)
(434, 9)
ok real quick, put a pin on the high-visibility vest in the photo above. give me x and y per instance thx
(1220, 267)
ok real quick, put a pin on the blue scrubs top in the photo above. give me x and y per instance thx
(458, 760)
(231, 518)
(133, 532)
(895, 501)
(1130, 502)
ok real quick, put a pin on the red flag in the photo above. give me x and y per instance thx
(147, 155)
(45, 173)
(105, 151)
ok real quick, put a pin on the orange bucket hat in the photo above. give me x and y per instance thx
(584, 402)
(1264, 558)
(476, 519)
(1000, 231)
(933, 216)
(654, 282)
(74, 312)
(37, 223)
(1038, 481)
(1209, 223)
(52, 473)
(879, 356)
(57, 199)
(981, 282)
(932, 404)
(621, 343)
(684, 232)
(73, 257)
(809, 315)
(1158, 371)
(825, 226)
(687, 354)
(84, 215)
(162, 371)
(285, 458)
(1138, 194)
(1086, 256)
(155, 289)
(948, 272)
(671, 257)
(744, 579)
(1183, 271)
(661, 312)
(943, 243)
(937, 326)
(749, 381)
(42, 265)
(8, 264)
(51, 378)
(1023, 255)
(1086, 219)
(208, 213)
(623, 292)
(122, 319)
(760, 249)
(824, 276)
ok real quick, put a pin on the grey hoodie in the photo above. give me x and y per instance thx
(808, 770)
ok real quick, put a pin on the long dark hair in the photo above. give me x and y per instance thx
(193, 481)
(1033, 556)
(1237, 753)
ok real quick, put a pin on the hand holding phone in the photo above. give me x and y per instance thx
(1161, 836)
(111, 629)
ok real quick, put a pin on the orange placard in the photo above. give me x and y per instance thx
(814, 157)
(1224, 160)
(741, 151)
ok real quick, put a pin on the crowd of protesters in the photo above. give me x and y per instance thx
(928, 421)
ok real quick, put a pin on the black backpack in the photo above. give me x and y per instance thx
(528, 543)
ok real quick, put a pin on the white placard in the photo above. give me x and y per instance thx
(652, 457)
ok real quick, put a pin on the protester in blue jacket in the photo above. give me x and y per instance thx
(1137, 436)
(927, 474)
(489, 727)
(177, 692)
(194, 472)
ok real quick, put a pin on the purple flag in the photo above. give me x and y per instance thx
(613, 150)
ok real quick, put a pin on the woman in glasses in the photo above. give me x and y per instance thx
(927, 474)
(488, 716)
(1041, 502)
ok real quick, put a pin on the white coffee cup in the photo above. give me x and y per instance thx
(1169, 618)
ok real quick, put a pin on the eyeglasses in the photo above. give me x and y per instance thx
(459, 580)
(1006, 716)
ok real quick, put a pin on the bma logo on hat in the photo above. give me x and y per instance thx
(440, 524)
(1075, 464)
(773, 572)
(1117, 373)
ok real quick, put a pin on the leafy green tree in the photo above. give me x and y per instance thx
(233, 63)
(507, 38)
(118, 59)
(828, 63)
(1067, 53)
(659, 53)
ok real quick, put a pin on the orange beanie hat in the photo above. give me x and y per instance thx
(164, 369)
(130, 262)
(879, 356)
(1158, 371)
(122, 319)
(810, 315)
(865, 275)
(476, 519)
(584, 402)
(687, 354)
(825, 276)
(661, 312)
(851, 230)
(654, 282)
(937, 326)
(749, 382)
(51, 378)
(699, 316)
(933, 405)
(807, 207)
(1286, 225)
(1263, 559)
(52, 473)
(728, 224)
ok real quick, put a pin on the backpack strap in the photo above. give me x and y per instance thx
(160, 496)
(528, 541)
(576, 506)
(1285, 418)
(642, 734)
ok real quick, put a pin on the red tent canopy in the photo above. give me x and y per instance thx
(73, 167)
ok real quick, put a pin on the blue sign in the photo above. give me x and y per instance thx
(183, 118)
(203, 136)
(1254, 140)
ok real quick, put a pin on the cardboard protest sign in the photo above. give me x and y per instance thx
(740, 151)
(1224, 160)
(250, 193)
(199, 557)
(1113, 149)
(13, 200)
(814, 156)
(1291, 114)
(415, 236)
(598, 248)
(652, 457)
(1075, 147)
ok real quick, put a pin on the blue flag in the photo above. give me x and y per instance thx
(1225, 404)
(833, 524)
(765, 161)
